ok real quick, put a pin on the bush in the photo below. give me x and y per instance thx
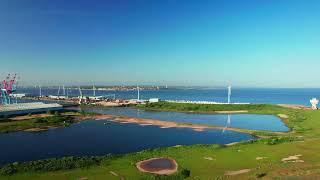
(185, 173)
(185, 107)
(84, 113)
(2, 120)
(54, 164)
(278, 140)
(41, 120)
(8, 170)
(261, 175)
(171, 177)
(50, 112)
(54, 119)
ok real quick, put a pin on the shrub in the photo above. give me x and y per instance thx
(278, 140)
(261, 175)
(55, 119)
(50, 112)
(54, 164)
(2, 120)
(171, 177)
(8, 170)
(41, 120)
(185, 173)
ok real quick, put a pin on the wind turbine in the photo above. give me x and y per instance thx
(229, 94)
(63, 91)
(94, 91)
(40, 91)
(138, 89)
(59, 92)
(81, 96)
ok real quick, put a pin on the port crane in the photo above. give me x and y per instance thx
(9, 86)
(59, 92)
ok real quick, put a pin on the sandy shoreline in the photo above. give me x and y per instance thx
(148, 122)
(293, 106)
(232, 112)
(163, 124)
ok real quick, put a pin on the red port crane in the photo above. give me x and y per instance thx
(8, 87)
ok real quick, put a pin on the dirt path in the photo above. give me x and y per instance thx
(294, 106)
(234, 173)
(294, 158)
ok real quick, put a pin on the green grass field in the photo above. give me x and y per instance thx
(262, 157)
(40, 121)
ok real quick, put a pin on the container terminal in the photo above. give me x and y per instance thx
(10, 105)
(26, 108)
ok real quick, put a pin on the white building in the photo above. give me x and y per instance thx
(18, 95)
(154, 100)
(314, 102)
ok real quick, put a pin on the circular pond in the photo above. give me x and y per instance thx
(163, 166)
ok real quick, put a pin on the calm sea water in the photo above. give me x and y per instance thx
(245, 121)
(103, 137)
(270, 96)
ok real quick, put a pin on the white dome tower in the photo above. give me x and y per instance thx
(314, 102)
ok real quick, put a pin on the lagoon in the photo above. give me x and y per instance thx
(243, 121)
(101, 137)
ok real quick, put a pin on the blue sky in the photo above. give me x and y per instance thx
(248, 43)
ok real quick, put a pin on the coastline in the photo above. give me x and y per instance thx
(270, 145)
(78, 117)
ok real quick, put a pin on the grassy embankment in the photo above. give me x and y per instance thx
(38, 122)
(263, 157)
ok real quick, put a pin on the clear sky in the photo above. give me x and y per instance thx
(256, 43)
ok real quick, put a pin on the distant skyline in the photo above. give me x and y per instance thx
(246, 43)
